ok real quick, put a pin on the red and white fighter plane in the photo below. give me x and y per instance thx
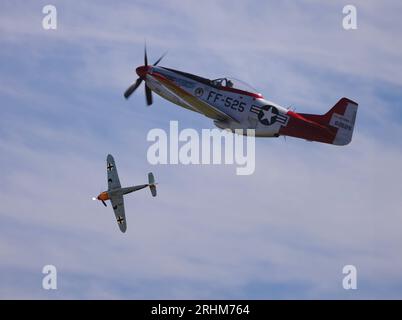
(234, 105)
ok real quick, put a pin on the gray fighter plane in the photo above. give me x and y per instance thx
(115, 192)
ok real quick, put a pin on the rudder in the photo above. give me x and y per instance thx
(342, 117)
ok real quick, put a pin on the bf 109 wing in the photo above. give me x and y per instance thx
(118, 208)
(112, 176)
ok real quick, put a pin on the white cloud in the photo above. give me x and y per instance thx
(308, 210)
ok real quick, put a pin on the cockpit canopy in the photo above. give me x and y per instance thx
(233, 83)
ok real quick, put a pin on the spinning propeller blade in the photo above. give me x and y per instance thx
(159, 60)
(145, 55)
(148, 95)
(132, 88)
(141, 71)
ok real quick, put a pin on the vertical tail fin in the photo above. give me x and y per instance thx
(152, 184)
(341, 117)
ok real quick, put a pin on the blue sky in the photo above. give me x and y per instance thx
(284, 232)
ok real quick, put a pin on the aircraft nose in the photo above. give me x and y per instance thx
(142, 71)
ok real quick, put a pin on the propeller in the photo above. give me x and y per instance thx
(104, 203)
(142, 72)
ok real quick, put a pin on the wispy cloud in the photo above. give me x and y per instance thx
(284, 232)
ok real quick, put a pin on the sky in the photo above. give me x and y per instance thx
(284, 232)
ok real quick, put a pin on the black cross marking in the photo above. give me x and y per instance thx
(120, 220)
(110, 166)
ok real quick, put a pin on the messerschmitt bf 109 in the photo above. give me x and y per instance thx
(233, 104)
(115, 192)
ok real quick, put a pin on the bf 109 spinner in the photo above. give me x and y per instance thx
(234, 105)
(115, 192)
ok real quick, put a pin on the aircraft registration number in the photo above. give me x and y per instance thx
(228, 102)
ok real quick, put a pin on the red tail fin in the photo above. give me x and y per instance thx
(342, 116)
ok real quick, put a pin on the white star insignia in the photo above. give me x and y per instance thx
(268, 114)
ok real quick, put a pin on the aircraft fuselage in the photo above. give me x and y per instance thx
(249, 110)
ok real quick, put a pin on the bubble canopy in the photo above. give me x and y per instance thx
(234, 83)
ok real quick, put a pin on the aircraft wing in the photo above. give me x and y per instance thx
(194, 102)
(118, 208)
(112, 176)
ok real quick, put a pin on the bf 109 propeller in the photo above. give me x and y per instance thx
(142, 72)
(97, 198)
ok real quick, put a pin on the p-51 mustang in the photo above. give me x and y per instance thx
(234, 105)
(115, 192)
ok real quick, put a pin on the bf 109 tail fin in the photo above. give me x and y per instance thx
(152, 184)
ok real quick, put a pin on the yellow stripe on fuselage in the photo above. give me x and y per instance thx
(193, 101)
